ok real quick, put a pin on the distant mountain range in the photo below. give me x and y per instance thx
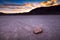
(40, 10)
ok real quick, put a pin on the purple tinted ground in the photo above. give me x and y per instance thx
(21, 27)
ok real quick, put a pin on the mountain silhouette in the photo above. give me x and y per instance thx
(46, 10)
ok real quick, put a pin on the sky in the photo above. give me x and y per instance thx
(18, 1)
(19, 9)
